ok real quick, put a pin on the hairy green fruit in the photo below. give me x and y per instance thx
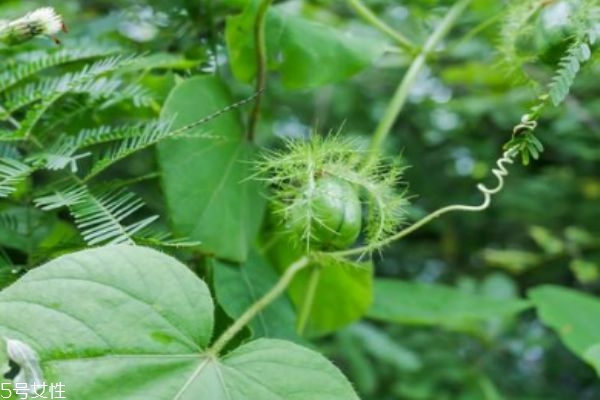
(332, 216)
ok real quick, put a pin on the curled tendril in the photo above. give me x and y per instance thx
(500, 173)
(526, 124)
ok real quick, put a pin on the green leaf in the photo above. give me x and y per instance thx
(209, 196)
(546, 240)
(237, 287)
(586, 272)
(383, 348)
(343, 290)
(4, 368)
(343, 295)
(415, 303)
(511, 260)
(132, 323)
(27, 229)
(573, 315)
(592, 356)
(161, 61)
(305, 53)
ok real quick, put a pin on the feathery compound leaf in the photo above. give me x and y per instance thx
(569, 66)
(69, 82)
(29, 64)
(12, 172)
(108, 133)
(154, 133)
(60, 198)
(99, 217)
(161, 61)
(74, 107)
(517, 23)
(33, 92)
(149, 134)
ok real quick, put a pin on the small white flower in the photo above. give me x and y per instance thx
(50, 22)
(43, 21)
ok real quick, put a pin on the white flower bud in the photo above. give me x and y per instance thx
(43, 21)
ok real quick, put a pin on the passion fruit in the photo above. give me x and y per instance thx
(332, 217)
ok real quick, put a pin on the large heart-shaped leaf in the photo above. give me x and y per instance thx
(574, 316)
(132, 323)
(306, 53)
(205, 180)
(427, 304)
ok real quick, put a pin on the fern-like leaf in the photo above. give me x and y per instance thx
(517, 23)
(33, 92)
(569, 66)
(154, 133)
(108, 133)
(150, 134)
(63, 197)
(12, 172)
(69, 82)
(29, 64)
(75, 106)
(100, 218)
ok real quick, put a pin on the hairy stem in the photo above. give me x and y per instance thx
(397, 103)
(261, 65)
(260, 304)
(309, 299)
(365, 13)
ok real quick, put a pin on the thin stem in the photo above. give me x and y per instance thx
(403, 90)
(309, 298)
(423, 221)
(365, 13)
(264, 301)
(261, 65)
(500, 172)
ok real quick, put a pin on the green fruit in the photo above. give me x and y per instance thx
(333, 217)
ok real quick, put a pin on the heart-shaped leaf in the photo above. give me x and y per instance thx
(132, 323)
(205, 180)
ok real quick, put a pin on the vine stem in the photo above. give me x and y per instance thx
(500, 173)
(397, 103)
(264, 301)
(261, 65)
(307, 305)
(365, 13)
